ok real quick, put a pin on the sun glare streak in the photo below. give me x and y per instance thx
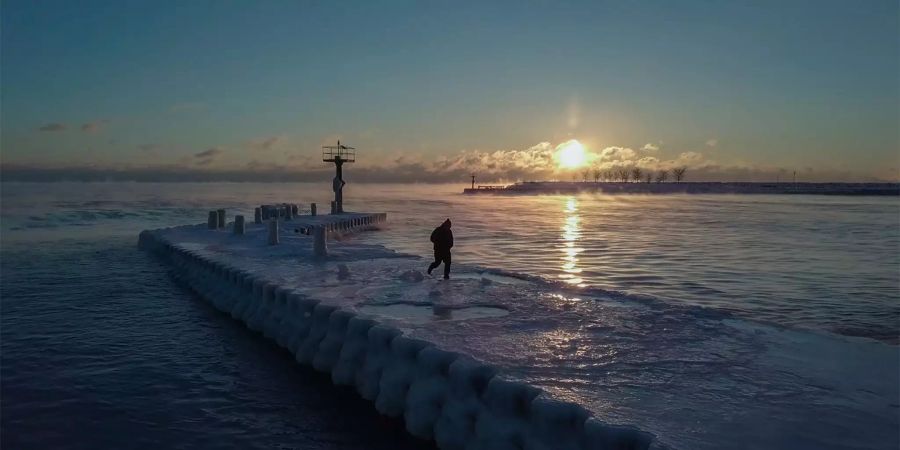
(571, 233)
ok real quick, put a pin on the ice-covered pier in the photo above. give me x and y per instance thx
(367, 315)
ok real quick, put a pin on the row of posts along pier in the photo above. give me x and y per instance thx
(286, 212)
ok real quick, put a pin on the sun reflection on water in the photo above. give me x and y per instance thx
(571, 233)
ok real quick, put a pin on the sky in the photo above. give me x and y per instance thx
(436, 90)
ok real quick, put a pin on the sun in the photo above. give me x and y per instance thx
(571, 155)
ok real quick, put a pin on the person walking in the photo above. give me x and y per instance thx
(442, 238)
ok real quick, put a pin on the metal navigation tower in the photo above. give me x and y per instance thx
(338, 154)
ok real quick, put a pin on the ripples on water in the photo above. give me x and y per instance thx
(100, 349)
(825, 263)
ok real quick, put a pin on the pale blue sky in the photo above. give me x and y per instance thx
(787, 84)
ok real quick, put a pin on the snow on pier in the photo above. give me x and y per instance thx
(368, 316)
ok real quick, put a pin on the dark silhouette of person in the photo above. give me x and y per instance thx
(442, 238)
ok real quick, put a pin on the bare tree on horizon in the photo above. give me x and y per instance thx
(663, 175)
(636, 174)
(678, 172)
(623, 174)
(596, 173)
(649, 176)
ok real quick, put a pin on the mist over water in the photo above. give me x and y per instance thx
(78, 297)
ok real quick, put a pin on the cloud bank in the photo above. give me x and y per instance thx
(207, 157)
(89, 127)
(265, 143)
(498, 166)
(93, 127)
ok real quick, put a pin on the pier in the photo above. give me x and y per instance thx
(367, 316)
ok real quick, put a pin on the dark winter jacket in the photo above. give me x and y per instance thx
(442, 237)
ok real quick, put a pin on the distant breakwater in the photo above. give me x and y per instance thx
(566, 187)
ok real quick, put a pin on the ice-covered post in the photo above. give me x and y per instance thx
(221, 217)
(312, 209)
(338, 186)
(273, 231)
(238, 224)
(295, 210)
(257, 215)
(213, 220)
(320, 242)
(288, 212)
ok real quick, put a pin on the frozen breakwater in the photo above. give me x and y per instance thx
(353, 314)
(690, 187)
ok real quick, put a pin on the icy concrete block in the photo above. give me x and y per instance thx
(289, 322)
(330, 347)
(379, 345)
(272, 324)
(241, 306)
(257, 319)
(455, 427)
(505, 421)
(353, 352)
(303, 320)
(428, 391)
(319, 327)
(397, 375)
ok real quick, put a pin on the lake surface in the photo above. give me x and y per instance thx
(101, 348)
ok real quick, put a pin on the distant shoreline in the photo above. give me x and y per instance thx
(565, 187)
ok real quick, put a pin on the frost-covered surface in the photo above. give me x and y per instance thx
(693, 377)
(339, 315)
